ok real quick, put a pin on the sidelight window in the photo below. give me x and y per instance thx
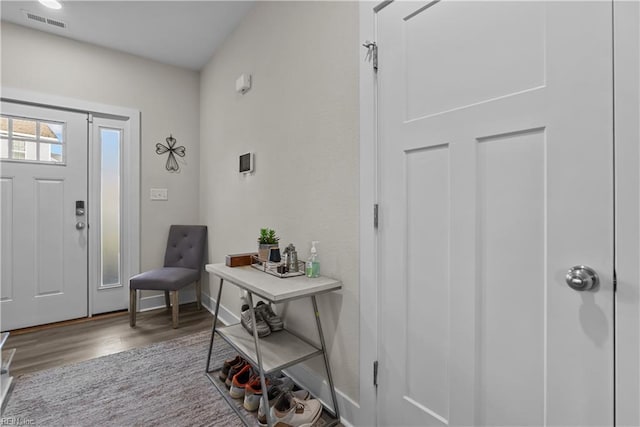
(110, 153)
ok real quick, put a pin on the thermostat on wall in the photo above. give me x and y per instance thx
(246, 163)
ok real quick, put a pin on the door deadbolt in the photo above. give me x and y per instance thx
(79, 207)
(581, 278)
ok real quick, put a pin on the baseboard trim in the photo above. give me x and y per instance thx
(226, 316)
(154, 302)
(300, 374)
(319, 388)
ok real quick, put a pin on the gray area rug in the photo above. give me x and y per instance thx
(160, 385)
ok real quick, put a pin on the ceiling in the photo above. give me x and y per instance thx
(181, 33)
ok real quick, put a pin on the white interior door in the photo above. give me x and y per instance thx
(44, 243)
(496, 177)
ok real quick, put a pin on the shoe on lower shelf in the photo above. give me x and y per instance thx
(301, 394)
(274, 394)
(224, 372)
(293, 412)
(240, 381)
(233, 371)
(253, 390)
(261, 326)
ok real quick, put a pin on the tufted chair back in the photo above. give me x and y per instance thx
(185, 246)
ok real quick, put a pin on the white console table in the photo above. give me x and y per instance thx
(281, 349)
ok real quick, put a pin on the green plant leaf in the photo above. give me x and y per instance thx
(268, 236)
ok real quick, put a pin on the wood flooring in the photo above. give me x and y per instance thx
(74, 341)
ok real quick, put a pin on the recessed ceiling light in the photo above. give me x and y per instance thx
(51, 4)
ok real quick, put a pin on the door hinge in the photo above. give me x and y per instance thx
(375, 373)
(372, 53)
(375, 215)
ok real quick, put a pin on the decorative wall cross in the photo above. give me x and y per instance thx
(172, 163)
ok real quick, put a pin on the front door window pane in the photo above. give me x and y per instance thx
(24, 128)
(18, 150)
(32, 140)
(110, 148)
(4, 126)
(4, 149)
(51, 132)
(51, 152)
(30, 150)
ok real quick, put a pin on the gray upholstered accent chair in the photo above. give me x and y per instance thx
(183, 265)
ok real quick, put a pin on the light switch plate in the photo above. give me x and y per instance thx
(159, 194)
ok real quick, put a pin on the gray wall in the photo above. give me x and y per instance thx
(168, 98)
(301, 120)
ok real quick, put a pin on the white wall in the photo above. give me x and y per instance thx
(166, 96)
(301, 120)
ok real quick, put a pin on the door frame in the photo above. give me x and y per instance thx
(627, 216)
(626, 36)
(131, 176)
(368, 235)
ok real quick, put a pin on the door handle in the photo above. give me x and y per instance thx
(80, 225)
(581, 278)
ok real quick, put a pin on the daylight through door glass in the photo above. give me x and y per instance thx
(31, 140)
(110, 149)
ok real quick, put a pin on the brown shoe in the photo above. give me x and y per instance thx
(233, 371)
(227, 365)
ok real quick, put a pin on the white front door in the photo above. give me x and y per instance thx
(496, 177)
(44, 241)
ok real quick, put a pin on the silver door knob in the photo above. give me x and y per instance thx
(581, 278)
(79, 225)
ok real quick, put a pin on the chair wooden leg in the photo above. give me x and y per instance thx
(198, 295)
(167, 301)
(132, 307)
(174, 311)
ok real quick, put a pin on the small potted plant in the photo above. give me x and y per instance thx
(268, 245)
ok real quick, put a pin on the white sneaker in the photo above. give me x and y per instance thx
(301, 394)
(296, 413)
(274, 394)
(261, 325)
(273, 320)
